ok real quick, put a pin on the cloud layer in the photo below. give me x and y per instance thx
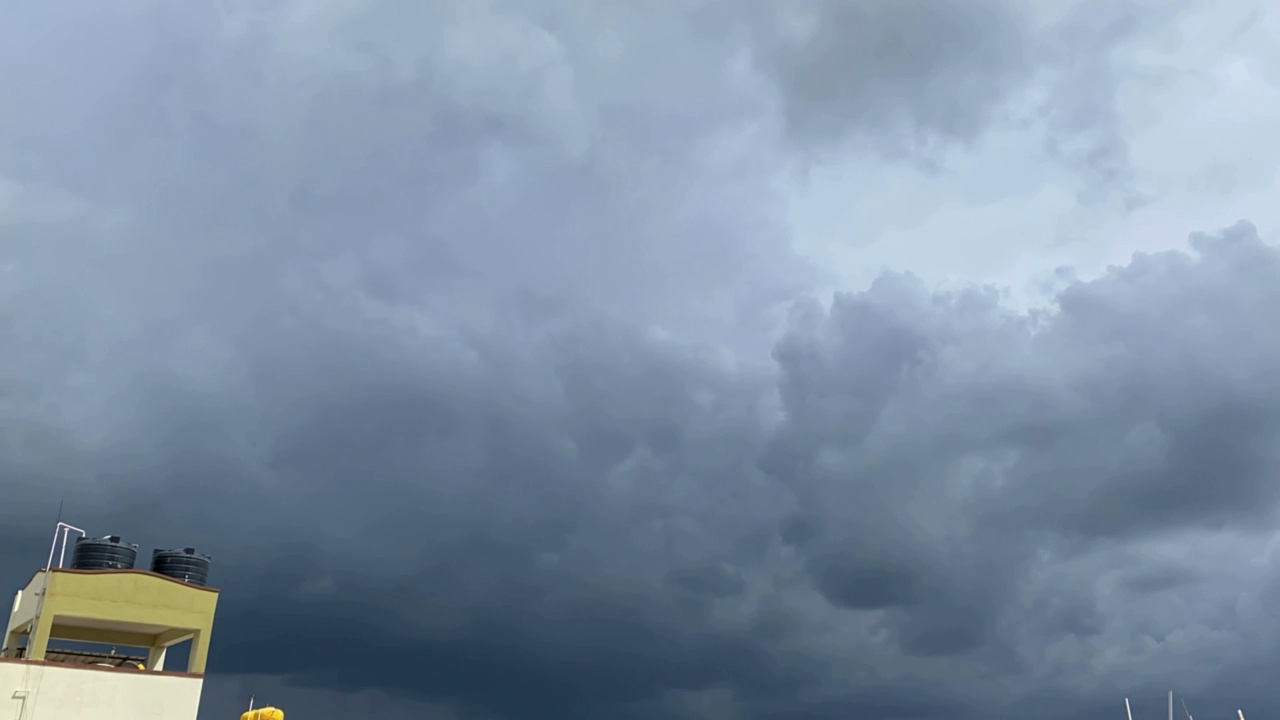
(469, 340)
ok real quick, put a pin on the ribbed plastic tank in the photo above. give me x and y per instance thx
(106, 553)
(266, 713)
(185, 565)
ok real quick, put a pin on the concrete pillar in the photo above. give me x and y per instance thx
(155, 657)
(38, 640)
(199, 652)
(12, 640)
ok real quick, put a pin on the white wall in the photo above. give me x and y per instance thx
(52, 692)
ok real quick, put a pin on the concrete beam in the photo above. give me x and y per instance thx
(170, 638)
(100, 636)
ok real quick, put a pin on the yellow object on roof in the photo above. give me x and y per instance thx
(266, 713)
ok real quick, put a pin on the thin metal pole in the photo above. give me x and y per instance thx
(53, 546)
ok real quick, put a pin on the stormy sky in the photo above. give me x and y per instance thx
(696, 359)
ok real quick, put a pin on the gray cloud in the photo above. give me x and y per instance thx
(911, 79)
(390, 311)
(915, 70)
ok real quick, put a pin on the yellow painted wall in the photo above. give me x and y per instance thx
(128, 597)
(131, 597)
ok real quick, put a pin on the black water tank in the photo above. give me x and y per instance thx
(106, 553)
(186, 565)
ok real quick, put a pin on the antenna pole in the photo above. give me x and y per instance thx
(1128, 712)
(1170, 705)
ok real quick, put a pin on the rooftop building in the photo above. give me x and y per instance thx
(89, 641)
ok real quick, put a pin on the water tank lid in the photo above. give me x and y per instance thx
(184, 551)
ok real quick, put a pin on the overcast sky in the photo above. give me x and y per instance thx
(705, 359)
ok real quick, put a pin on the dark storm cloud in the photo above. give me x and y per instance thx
(949, 465)
(532, 563)
(400, 334)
